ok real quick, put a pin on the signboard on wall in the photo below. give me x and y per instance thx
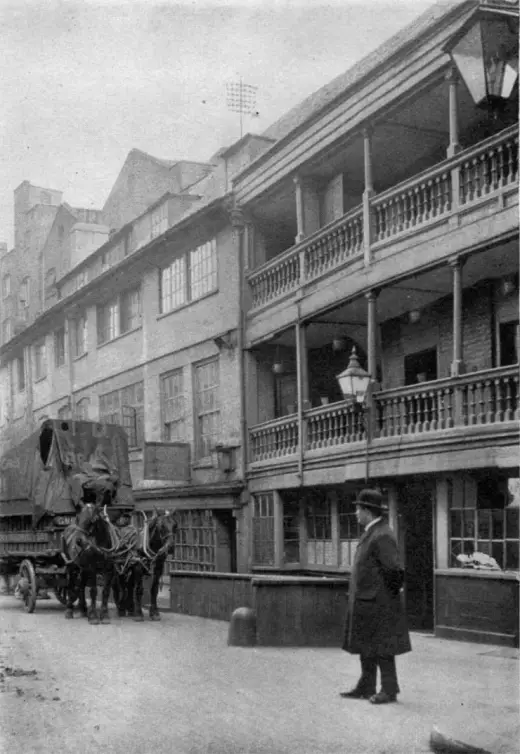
(167, 461)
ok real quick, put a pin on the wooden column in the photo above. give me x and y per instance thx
(371, 298)
(367, 194)
(300, 229)
(457, 365)
(452, 79)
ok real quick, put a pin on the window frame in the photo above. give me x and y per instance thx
(82, 322)
(463, 509)
(40, 359)
(60, 353)
(7, 325)
(200, 413)
(20, 373)
(119, 415)
(6, 285)
(179, 398)
(191, 285)
(116, 325)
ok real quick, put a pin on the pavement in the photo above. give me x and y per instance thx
(175, 686)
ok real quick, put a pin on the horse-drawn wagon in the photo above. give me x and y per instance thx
(44, 482)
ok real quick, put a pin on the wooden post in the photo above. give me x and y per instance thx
(300, 228)
(301, 391)
(367, 194)
(457, 366)
(371, 298)
(452, 79)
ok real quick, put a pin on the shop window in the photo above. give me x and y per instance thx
(318, 517)
(349, 529)
(263, 529)
(508, 336)
(195, 542)
(484, 522)
(420, 367)
(291, 528)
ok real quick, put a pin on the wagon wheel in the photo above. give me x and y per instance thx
(28, 574)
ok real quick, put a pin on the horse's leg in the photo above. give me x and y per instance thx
(81, 582)
(108, 577)
(117, 591)
(93, 616)
(137, 591)
(71, 583)
(156, 577)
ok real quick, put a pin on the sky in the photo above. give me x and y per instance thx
(83, 83)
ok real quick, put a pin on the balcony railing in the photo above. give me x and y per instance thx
(428, 197)
(482, 398)
(274, 439)
(488, 397)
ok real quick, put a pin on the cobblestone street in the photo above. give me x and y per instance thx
(176, 686)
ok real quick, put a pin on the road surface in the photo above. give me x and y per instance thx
(176, 687)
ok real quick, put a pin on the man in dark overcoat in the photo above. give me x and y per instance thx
(376, 627)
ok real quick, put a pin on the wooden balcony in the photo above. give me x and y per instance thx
(480, 399)
(432, 197)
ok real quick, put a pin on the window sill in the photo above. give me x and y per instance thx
(188, 303)
(474, 573)
(118, 337)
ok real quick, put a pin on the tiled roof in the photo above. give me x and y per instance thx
(324, 96)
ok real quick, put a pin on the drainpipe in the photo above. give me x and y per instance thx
(237, 221)
(71, 368)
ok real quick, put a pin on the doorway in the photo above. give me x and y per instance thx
(416, 501)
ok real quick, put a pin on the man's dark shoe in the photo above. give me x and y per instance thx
(383, 698)
(355, 694)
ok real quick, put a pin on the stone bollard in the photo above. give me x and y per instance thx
(242, 628)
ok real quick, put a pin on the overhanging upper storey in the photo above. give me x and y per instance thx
(399, 91)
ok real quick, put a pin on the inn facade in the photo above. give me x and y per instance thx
(209, 308)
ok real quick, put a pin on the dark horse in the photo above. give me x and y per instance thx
(87, 548)
(157, 542)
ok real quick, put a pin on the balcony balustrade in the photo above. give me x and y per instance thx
(431, 196)
(481, 398)
(274, 439)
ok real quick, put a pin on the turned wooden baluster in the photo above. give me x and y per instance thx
(509, 400)
(472, 404)
(499, 400)
(486, 172)
(490, 402)
(433, 410)
(500, 165)
(481, 403)
(515, 398)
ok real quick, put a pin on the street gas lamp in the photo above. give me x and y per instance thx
(354, 381)
(485, 52)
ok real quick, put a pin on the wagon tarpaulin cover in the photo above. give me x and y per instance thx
(51, 468)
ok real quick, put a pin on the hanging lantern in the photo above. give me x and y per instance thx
(485, 52)
(339, 344)
(354, 380)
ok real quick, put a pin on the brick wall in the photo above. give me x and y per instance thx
(400, 338)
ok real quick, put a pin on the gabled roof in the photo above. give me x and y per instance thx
(366, 66)
(151, 158)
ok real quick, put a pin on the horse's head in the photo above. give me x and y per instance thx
(88, 516)
(163, 526)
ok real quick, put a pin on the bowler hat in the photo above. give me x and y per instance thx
(371, 499)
